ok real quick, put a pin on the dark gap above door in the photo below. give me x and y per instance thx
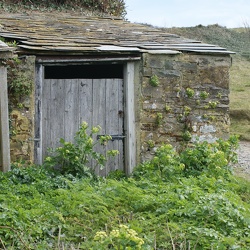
(98, 71)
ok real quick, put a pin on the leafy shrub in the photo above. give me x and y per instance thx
(75, 158)
(213, 158)
(210, 158)
(111, 7)
(117, 175)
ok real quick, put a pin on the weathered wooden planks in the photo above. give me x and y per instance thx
(66, 103)
(4, 122)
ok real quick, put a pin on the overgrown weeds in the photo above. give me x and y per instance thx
(170, 202)
(80, 157)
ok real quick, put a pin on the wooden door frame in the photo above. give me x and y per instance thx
(129, 112)
(4, 122)
(129, 121)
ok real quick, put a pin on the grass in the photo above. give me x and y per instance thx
(239, 96)
(240, 84)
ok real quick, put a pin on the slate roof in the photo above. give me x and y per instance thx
(4, 47)
(64, 33)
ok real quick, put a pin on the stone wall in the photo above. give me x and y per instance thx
(22, 111)
(181, 98)
(184, 98)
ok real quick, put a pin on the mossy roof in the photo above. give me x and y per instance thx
(64, 33)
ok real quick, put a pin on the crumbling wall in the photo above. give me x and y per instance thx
(185, 97)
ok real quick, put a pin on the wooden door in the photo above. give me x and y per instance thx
(66, 103)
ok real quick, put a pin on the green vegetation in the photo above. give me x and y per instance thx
(73, 158)
(204, 94)
(186, 136)
(159, 119)
(240, 93)
(168, 108)
(236, 40)
(109, 7)
(154, 81)
(190, 92)
(19, 85)
(187, 200)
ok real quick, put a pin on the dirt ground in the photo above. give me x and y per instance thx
(242, 168)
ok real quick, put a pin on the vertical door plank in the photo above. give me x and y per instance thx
(57, 112)
(85, 87)
(71, 109)
(99, 113)
(46, 119)
(38, 144)
(112, 120)
(120, 122)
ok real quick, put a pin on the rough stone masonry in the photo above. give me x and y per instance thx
(190, 102)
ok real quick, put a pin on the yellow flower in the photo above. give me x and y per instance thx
(114, 233)
(96, 129)
(90, 141)
(99, 236)
(84, 125)
(48, 159)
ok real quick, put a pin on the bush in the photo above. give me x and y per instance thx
(110, 7)
(79, 158)
(213, 159)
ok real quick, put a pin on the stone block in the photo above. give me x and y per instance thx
(170, 65)
(167, 73)
(206, 129)
(147, 71)
(156, 62)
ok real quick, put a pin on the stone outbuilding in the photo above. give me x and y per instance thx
(143, 86)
